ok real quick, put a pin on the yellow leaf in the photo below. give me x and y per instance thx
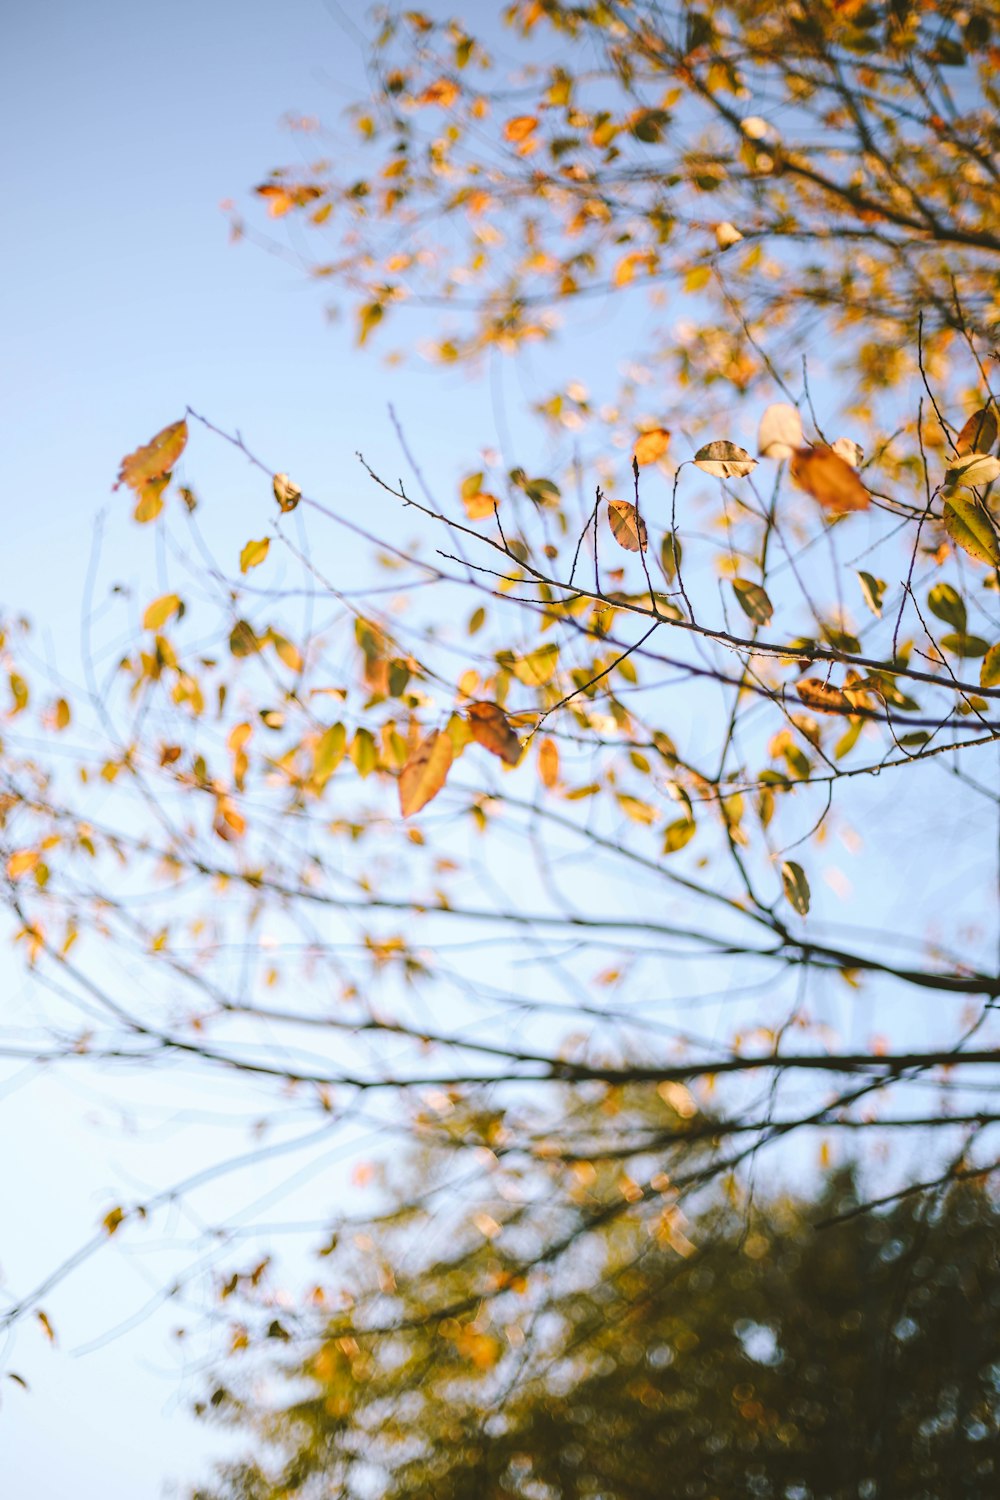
(160, 611)
(548, 763)
(537, 668)
(253, 554)
(425, 772)
(520, 127)
(727, 235)
(22, 862)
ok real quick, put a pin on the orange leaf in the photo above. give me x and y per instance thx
(21, 863)
(651, 445)
(548, 763)
(443, 91)
(520, 127)
(489, 727)
(825, 475)
(425, 772)
(627, 526)
(821, 695)
(156, 459)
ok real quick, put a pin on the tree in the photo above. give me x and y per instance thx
(767, 1359)
(608, 740)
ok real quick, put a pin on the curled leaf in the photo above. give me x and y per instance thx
(627, 526)
(829, 479)
(780, 431)
(725, 460)
(873, 590)
(160, 611)
(490, 728)
(286, 493)
(425, 772)
(851, 452)
(796, 886)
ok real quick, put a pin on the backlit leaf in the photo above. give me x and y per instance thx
(960, 644)
(548, 763)
(156, 459)
(851, 452)
(627, 526)
(873, 590)
(753, 601)
(425, 772)
(979, 434)
(537, 668)
(286, 493)
(948, 605)
(780, 433)
(989, 672)
(651, 446)
(970, 527)
(974, 468)
(490, 728)
(725, 460)
(796, 886)
(678, 834)
(816, 693)
(829, 479)
(253, 554)
(160, 611)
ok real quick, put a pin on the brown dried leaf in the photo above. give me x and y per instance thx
(627, 526)
(816, 693)
(979, 435)
(489, 727)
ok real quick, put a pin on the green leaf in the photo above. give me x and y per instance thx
(243, 639)
(961, 644)
(253, 554)
(948, 605)
(796, 886)
(670, 555)
(329, 753)
(364, 753)
(970, 527)
(873, 590)
(753, 601)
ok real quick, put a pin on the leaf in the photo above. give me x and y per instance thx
(425, 772)
(160, 611)
(477, 503)
(816, 693)
(974, 468)
(948, 605)
(548, 764)
(286, 493)
(285, 650)
(369, 317)
(726, 235)
(970, 527)
(979, 434)
(17, 1379)
(47, 1328)
(796, 886)
(670, 555)
(490, 728)
(22, 862)
(112, 1221)
(651, 446)
(873, 590)
(150, 500)
(519, 128)
(677, 834)
(243, 639)
(851, 452)
(753, 601)
(253, 554)
(961, 644)
(329, 753)
(829, 479)
(725, 460)
(627, 526)
(537, 668)
(156, 459)
(780, 432)
(364, 752)
(989, 672)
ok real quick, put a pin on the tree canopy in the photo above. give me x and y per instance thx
(474, 806)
